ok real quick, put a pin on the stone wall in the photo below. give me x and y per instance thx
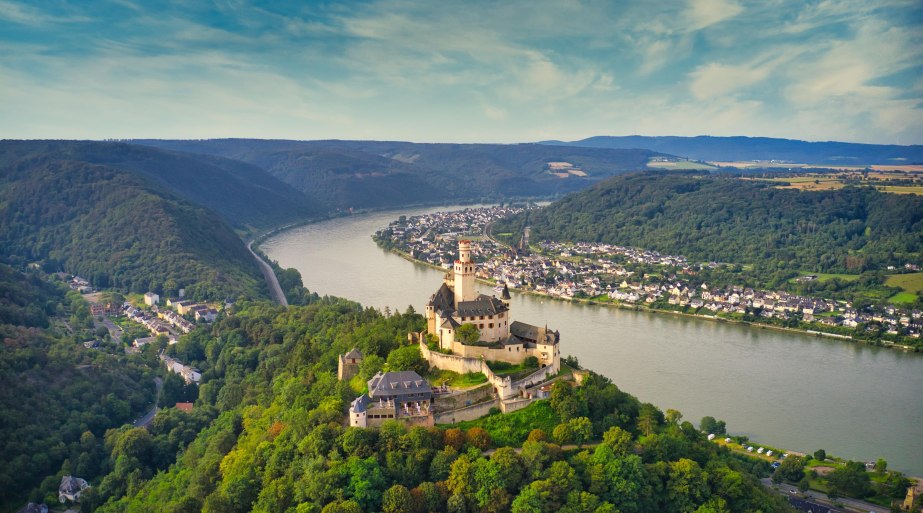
(515, 404)
(472, 412)
(503, 386)
(463, 399)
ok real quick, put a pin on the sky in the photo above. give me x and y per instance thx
(472, 71)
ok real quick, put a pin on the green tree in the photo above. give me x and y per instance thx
(407, 358)
(791, 469)
(468, 334)
(397, 499)
(564, 400)
(820, 455)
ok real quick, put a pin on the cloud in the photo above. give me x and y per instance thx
(26, 15)
(705, 13)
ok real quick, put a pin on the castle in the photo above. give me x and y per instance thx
(457, 302)
(407, 397)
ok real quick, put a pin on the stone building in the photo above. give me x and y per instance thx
(348, 365)
(404, 396)
(457, 302)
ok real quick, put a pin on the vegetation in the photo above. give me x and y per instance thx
(244, 195)
(58, 398)
(761, 148)
(377, 174)
(266, 435)
(117, 230)
(735, 221)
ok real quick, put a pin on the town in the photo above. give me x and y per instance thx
(611, 274)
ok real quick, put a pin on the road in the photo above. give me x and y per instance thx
(149, 416)
(821, 498)
(274, 289)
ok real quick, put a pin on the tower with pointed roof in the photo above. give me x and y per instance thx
(457, 303)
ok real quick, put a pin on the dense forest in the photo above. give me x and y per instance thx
(266, 435)
(57, 399)
(119, 231)
(244, 195)
(726, 219)
(376, 174)
(761, 148)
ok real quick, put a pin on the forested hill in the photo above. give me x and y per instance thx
(243, 194)
(267, 435)
(58, 399)
(738, 221)
(374, 174)
(761, 148)
(117, 229)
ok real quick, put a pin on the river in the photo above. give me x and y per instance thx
(794, 391)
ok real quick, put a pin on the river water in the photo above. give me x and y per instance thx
(793, 391)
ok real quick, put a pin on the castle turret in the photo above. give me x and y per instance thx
(464, 274)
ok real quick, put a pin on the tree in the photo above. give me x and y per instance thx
(562, 433)
(478, 437)
(581, 430)
(468, 334)
(820, 455)
(397, 499)
(673, 416)
(407, 358)
(804, 484)
(537, 435)
(791, 469)
(454, 438)
(564, 400)
(850, 479)
(712, 426)
(881, 466)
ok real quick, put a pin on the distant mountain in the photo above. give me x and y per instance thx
(243, 194)
(728, 149)
(117, 227)
(375, 174)
(739, 221)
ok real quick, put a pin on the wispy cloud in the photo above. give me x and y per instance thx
(483, 70)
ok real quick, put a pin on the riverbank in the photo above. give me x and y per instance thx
(645, 308)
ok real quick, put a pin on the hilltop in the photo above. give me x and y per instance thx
(376, 174)
(745, 222)
(725, 149)
(115, 226)
(243, 194)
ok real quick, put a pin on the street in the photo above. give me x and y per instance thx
(821, 498)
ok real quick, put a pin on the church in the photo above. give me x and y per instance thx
(457, 302)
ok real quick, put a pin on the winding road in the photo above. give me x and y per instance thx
(274, 289)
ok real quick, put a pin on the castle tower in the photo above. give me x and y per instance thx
(464, 274)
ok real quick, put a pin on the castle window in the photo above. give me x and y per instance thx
(481, 326)
(491, 325)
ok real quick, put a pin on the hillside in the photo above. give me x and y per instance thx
(374, 174)
(761, 148)
(243, 194)
(117, 229)
(738, 221)
(267, 435)
(58, 398)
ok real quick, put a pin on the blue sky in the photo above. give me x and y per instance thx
(493, 71)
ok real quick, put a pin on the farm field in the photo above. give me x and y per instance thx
(683, 164)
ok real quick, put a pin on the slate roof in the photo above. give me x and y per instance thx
(506, 292)
(398, 385)
(71, 485)
(34, 508)
(353, 353)
(359, 404)
(483, 305)
(443, 299)
(450, 323)
(531, 333)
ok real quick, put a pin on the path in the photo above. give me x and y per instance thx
(149, 416)
(274, 289)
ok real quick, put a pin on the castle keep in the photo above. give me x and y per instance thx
(457, 302)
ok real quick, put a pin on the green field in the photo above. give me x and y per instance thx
(912, 282)
(825, 277)
(437, 377)
(903, 297)
(683, 164)
(511, 429)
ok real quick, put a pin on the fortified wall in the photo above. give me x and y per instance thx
(504, 387)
